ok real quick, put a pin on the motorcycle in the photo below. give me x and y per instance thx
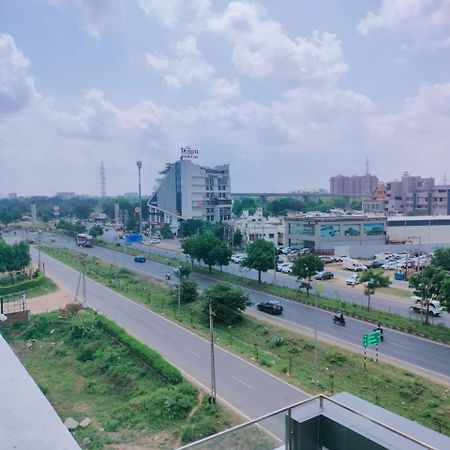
(167, 276)
(381, 333)
(339, 321)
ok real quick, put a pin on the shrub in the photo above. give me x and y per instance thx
(23, 285)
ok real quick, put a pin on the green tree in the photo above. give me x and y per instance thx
(188, 291)
(238, 238)
(305, 267)
(183, 271)
(96, 231)
(207, 248)
(429, 284)
(247, 203)
(441, 258)
(444, 294)
(260, 256)
(166, 232)
(373, 280)
(191, 227)
(14, 257)
(227, 303)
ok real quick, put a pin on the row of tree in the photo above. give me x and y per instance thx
(15, 257)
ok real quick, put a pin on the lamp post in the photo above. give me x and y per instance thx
(139, 166)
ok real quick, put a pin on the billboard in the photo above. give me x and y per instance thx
(330, 230)
(374, 229)
(352, 229)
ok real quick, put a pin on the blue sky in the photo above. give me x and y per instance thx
(288, 92)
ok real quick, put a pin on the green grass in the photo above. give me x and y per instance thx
(85, 372)
(288, 354)
(46, 287)
(438, 332)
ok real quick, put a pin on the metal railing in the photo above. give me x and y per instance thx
(265, 434)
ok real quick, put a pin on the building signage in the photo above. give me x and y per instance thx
(188, 153)
(330, 230)
(374, 229)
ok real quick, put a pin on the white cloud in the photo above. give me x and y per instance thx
(187, 66)
(223, 88)
(16, 85)
(427, 20)
(262, 49)
(167, 11)
(157, 62)
(95, 13)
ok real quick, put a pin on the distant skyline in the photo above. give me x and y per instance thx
(289, 93)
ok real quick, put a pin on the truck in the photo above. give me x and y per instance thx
(426, 306)
(84, 240)
(353, 264)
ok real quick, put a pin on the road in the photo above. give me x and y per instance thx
(420, 355)
(246, 388)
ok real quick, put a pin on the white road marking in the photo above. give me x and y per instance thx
(401, 346)
(195, 354)
(243, 382)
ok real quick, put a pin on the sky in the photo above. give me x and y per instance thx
(288, 92)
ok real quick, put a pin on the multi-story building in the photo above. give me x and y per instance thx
(364, 184)
(417, 195)
(191, 191)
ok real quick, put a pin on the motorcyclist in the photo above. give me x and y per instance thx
(378, 328)
(340, 318)
(168, 276)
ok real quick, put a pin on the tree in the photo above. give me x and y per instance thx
(237, 238)
(305, 267)
(14, 257)
(191, 227)
(96, 231)
(207, 248)
(188, 291)
(166, 232)
(441, 258)
(227, 303)
(247, 203)
(260, 256)
(429, 284)
(444, 294)
(374, 279)
(182, 271)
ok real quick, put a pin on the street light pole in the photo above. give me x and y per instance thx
(139, 166)
(212, 396)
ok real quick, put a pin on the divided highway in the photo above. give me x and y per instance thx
(418, 354)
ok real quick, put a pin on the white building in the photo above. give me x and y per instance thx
(257, 226)
(419, 229)
(191, 191)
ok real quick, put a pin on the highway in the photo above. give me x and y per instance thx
(246, 388)
(418, 354)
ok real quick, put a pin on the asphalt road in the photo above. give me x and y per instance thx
(246, 388)
(418, 354)
(391, 304)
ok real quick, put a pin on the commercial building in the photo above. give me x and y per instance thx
(419, 229)
(364, 184)
(414, 194)
(191, 191)
(256, 226)
(328, 232)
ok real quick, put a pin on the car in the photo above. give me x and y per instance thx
(376, 264)
(237, 258)
(270, 306)
(139, 259)
(154, 241)
(353, 280)
(287, 268)
(326, 259)
(325, 275)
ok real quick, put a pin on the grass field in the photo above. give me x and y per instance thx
(85, 372)
(288, 354)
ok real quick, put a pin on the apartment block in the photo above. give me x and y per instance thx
(356, 184)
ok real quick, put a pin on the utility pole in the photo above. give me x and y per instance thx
(139, 166)
(212, 396)
(314, 377)
(39, 250)
(82, 280)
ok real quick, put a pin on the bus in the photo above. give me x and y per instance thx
(84, 240)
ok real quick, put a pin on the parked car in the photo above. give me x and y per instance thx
(390, 265)
(375, 264)
(325, 275)
(139, 259)
(287, 268)
(270, 306)
(237, 259)
(326, 259)
(353, 280)
(155, 241)
(434, 307)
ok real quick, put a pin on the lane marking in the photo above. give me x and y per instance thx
(194, 353)
(243, 382)
(401, 346)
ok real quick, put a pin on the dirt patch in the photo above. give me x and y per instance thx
(50, 302)
(158, 441)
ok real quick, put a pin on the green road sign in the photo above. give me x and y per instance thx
(371, 338)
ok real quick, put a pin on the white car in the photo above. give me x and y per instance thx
(238, 258)
(353, 280)
(390, 265)
(154, 241)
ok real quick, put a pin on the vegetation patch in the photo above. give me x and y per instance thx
(89, 367)
(288, 354)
